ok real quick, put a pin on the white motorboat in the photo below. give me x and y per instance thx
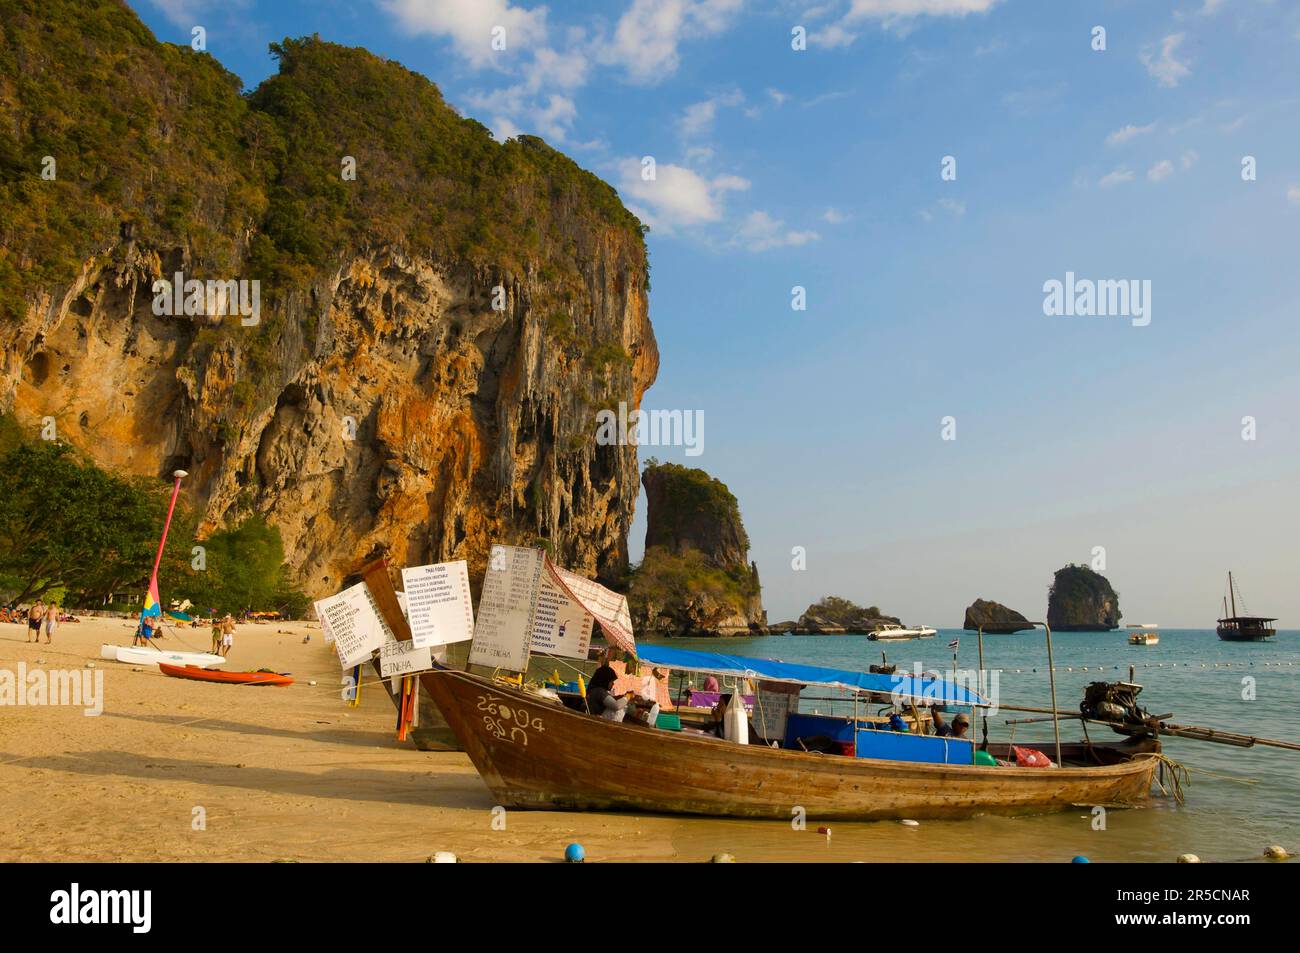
(892, 632)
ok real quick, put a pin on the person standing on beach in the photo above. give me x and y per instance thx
(227, 635)
(218, 629)
(51, 621)
(35, 617)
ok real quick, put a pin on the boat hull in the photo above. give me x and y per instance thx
(194, 673)
(150, 656)
(1237, 635)
(535, 755)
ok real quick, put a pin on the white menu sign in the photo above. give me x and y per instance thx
(506, 609)
(354, 621)
(438, 603)
(561, 626)
(403, 658)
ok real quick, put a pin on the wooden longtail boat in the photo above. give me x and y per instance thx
(535, 754)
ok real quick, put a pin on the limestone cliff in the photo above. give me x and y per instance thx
(1082, 600)
(994, 617)
(436, 332)
(696, 577)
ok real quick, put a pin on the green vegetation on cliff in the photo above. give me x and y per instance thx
(156, 141)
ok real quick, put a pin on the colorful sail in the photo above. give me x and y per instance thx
(152, 602)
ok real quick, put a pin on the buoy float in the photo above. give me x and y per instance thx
(1188, 859)
(722, 859)
(1276, 852)
(574, 854)
(910, 823)
(442, 857)
(1080, 859)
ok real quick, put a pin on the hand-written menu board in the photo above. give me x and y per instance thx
(438, 603)
(403, 658)
(354, 621)
(504, 625)
(561, 626)
(773, 703)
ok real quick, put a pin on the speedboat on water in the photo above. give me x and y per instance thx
(890, 631)
(1145, 633)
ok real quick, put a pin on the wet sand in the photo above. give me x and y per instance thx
(294, 774)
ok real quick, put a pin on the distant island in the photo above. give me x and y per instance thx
(994, 617)
(833, 615)
(1082, 600)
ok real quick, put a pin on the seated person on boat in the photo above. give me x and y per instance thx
(957, 729)
(602, 702)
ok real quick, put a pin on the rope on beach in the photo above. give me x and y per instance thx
(1177, 777)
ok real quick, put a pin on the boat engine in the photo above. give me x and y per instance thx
(1116, 702)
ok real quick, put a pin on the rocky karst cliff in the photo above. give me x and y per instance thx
(696, 577)
(1082, 600)
(994, 617)
(436, 332)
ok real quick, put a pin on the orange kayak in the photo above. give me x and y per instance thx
(229, 678)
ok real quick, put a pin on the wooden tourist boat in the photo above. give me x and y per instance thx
(536, 754)
(1243, 628)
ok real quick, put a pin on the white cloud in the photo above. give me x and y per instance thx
(953, 207)
(1160, 171)
(832, 36)
(761, 232)
(698, 117)
(677, 196)
(647, 35)
(1167, 69)
(1189, 159)
(550, 69)
(899, 15)
(1120, 136)
(1118, 177)
(834, 216)
(504, 129)
(1293, 194)
(469, 24)
(778, 97)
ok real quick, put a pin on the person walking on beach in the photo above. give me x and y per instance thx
(35, 617)
(51, 621)
(218, 629)
(227, 635)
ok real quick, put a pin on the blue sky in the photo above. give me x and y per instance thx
(820, 168)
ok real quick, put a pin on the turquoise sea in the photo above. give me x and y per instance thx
(1238, 800)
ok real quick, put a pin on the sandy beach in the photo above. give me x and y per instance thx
(281, 773)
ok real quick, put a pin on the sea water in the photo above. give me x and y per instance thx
(1237, 802)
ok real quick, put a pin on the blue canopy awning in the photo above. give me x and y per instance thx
(930, 690)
